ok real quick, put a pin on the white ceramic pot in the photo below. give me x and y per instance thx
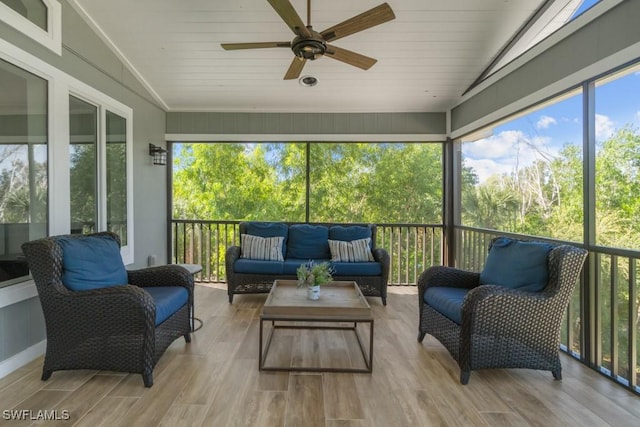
(313, 292)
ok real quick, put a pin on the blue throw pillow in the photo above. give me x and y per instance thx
(517, 264)
(91, 263)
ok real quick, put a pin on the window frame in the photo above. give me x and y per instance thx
(51, 38)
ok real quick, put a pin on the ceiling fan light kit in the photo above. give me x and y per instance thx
(311, 45)
(309, 48)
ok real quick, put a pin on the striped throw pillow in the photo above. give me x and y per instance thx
(261, 248)
(353, 251)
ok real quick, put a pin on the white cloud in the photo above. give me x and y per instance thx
(605, 127)
(506, 152)
(485, 168)
(545, 121)
(495, 146)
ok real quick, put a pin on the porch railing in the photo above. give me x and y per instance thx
(412, 247)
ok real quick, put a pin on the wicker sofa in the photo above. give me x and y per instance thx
(507, 316)
(302, 242)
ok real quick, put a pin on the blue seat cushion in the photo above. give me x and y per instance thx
(368, 268)
(168, 300)
(253, 266)
(91, 262)
(517, 264)
(269, 229)
(308, 241)
(447, 301)
(349, 233)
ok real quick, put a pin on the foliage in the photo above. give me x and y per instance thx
(546, 197)
(349, 182)
(23, 188)
(314, 274)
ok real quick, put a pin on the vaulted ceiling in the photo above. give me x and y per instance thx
(426, 57)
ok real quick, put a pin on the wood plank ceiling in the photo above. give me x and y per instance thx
(427, 57)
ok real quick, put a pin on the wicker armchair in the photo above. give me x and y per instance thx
(111, 328)
(502, 327)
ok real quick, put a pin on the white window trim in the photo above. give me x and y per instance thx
(51, 39)
(61, 85)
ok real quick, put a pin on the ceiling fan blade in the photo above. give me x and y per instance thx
(260, 45)
(349, 57)
(295, 68)
(376, 16)
(290, 17)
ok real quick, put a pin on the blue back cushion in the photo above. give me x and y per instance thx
(516, 264)
(349, 233)
(91, 263)
(269, 229)
(308, 241)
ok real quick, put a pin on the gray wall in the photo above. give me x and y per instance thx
(610, 33)
(306, 123)
(88, 59)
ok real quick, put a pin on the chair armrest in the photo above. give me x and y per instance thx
(162, 275)
(127, 307)
(440, 275)
(504, 312)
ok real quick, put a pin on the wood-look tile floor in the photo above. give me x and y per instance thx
(214, 381)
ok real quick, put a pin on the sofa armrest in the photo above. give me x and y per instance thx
(232, 254)
(382, 256)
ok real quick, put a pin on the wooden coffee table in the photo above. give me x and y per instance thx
(287, 306)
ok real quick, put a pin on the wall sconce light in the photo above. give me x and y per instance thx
(159, 155)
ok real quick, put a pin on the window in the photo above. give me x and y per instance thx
(116, 173)
(40, 20)
(23, 166)
(617, 130)
(83, 162)
(99, 170)
(33, 10)
(550, 18)
(526, 177)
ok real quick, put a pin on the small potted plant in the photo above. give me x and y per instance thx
(313, 275)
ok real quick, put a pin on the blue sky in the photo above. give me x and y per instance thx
(543, 133)
(586, 4)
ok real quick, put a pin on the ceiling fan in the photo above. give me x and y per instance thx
(310, 45)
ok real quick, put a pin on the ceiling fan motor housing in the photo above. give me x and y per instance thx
(309, 47)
